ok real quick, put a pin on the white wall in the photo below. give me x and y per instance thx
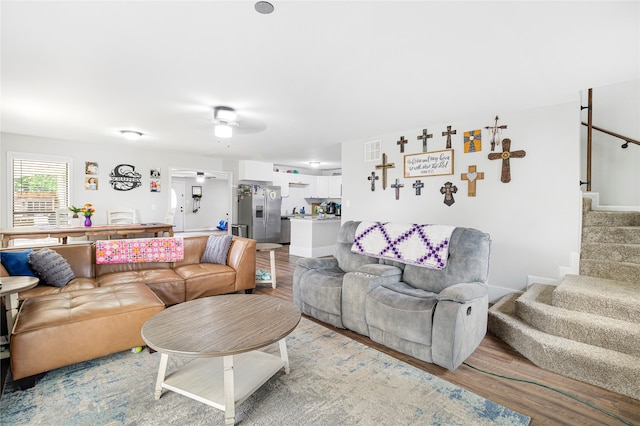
(534, 221)
(615, 173)
(151, 206)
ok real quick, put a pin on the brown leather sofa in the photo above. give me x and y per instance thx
(102, 310)
(172, 282)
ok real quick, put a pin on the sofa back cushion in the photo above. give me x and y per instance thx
(81, 258)
(468, 262)
(348, 261)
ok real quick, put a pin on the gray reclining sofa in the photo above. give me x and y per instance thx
(439, 316)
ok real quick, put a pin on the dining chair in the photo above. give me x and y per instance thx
(121, 216)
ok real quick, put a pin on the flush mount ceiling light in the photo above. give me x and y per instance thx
(225, 119)
(314, 164)
(200, 177)
(264, 7)
(130, 135)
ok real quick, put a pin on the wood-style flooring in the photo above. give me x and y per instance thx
(543, 405)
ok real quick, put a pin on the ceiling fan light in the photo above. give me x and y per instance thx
(314, 164)
(130, 135)
(223, 131)
(199, 177)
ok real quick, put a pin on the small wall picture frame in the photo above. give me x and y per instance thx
(196, 191)
(91, 168)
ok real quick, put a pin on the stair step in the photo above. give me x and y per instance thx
(613, 370)
(629, 253)
(599, 296)
(618, 271)
(611, 234)
(610, 218)
(534, 307)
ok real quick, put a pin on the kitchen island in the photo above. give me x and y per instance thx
(312, 236)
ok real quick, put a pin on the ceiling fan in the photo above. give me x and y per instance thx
(226, 119)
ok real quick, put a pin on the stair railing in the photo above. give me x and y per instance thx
(590, 126)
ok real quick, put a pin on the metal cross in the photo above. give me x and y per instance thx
(495, 133)
(384, 166)
(397, 187)
(472, 176)
(418, 185)
(423, 137)
(401, 142)
(448, 134)
(506, 168)
(448, 190)
(373, 178)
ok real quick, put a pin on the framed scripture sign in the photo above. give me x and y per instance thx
(435, 163)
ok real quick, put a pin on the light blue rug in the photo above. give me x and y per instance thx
(333, 381)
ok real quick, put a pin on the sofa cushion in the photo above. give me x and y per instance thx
(165, 283)
(217, 249)
(17, 263)
(51, 267)
(44, 290)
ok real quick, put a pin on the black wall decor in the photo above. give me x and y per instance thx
(124, 177)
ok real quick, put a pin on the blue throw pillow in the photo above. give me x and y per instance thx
(17, 263)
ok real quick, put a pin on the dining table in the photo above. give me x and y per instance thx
(64, 232)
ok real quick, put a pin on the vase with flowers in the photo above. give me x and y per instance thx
(87, 211)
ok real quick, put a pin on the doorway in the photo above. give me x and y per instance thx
(177, 202)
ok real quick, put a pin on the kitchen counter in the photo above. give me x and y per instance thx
(312, 236)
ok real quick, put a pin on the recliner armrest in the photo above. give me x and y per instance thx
(463, 292)
(318, 262)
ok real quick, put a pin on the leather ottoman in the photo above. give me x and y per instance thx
(62, 329)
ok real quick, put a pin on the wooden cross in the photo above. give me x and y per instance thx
(373, 178)
(495, 133)
(397, 187)
(384, 166)
(423, 137)
(418, 185)
(401, 142)
(448, 190)
(448, 134)
(505, 156)
(472, 176)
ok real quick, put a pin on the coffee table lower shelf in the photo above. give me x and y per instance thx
(207, 379)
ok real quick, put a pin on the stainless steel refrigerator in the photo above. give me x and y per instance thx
(259, 209)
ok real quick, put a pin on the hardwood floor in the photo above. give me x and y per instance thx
(543, 405)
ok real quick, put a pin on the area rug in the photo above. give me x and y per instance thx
(333, 381)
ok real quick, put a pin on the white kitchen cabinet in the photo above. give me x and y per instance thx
(335, 186)
(255, 171)
(322, 187)
(282, 180)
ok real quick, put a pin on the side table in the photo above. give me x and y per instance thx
(270, 247)
(11, 286)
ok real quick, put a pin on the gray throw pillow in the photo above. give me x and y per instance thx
(217, 249)
(51, 267)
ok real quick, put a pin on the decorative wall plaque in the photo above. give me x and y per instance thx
(435, 163)
(125, 178)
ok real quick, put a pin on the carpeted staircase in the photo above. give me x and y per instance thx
(588, 327)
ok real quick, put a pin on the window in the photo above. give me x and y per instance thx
(39, 186)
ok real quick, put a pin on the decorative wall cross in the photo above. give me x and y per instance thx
(505, 156)
(373, 178)
(448, 134)
(448, 190)
(384, 166)
(473, 141)
(423, 137)
(397, 187)
(472, 176)
(418, 185)
(495, 133)
(401, 142)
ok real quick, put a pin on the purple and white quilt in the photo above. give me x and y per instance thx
(413, 244)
